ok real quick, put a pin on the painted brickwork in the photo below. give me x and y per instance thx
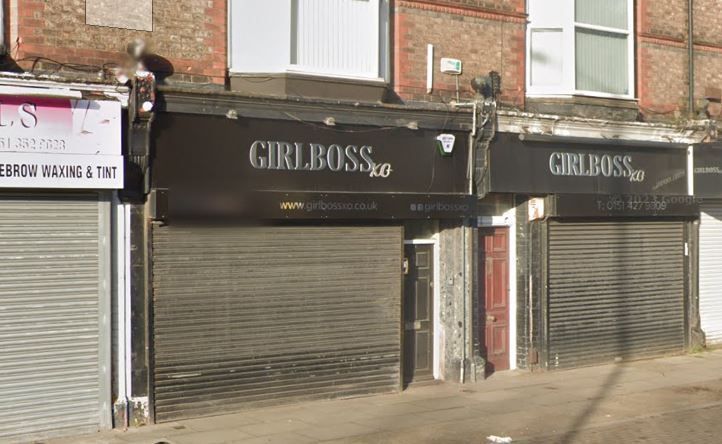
(190, 34)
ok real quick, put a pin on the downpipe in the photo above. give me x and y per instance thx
(690, 55)
(465, 244)
(121, 213)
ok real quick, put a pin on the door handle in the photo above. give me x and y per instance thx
(490, 318)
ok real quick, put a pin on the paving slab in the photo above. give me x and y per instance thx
(273, 427)
(612, 403)
(280, 438)
(207, 437)
(336, 431)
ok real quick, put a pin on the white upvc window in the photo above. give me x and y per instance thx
(338, 38)
(583, 47)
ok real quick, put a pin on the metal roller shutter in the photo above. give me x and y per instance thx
(615, 289)
(255, 316)
(53, 302)
(710, 271)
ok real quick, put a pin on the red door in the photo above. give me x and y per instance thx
(494, 297)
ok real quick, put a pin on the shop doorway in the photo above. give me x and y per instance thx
(418, 313)
(494, 297)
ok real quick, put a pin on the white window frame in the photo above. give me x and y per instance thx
(383, 22)
(568, 88)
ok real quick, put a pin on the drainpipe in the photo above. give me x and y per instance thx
(3, 48)
(462, 370)
(690, 55)
(122, 293)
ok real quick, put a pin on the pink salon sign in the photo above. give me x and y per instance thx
(60, 143)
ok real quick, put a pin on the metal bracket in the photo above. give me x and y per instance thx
(413, 326)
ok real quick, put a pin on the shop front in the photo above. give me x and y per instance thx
(708, 185)
(292, 260)
(59, 159)
(609, 247)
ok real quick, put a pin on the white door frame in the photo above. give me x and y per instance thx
(508, 220)
(437, 299)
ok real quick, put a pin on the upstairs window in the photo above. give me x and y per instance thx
(581, 47)
(340, 38)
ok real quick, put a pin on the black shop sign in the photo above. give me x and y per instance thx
(301, 169)
(622, 205)
(708, 170)
(574, 166)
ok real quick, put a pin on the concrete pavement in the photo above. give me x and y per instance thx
(674, 399)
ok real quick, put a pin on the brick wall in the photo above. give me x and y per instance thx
(485, 34)
(708, 46)
(483, 40)
(662, 79)
(662, 57)
(190, 34)
(517, 6)
(708, 22)
(666, 18)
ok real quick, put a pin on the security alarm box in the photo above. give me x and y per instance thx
(451, 66)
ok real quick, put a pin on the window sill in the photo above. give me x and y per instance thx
(297, 84)
(608, 100)
(308, 73)
(584, 106)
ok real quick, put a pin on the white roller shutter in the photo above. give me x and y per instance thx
(53, 312)
(710, 271)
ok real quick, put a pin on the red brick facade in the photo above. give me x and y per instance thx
(491, 35)
(662, 56)
(190, 34)
(484, 39)
(485, 34)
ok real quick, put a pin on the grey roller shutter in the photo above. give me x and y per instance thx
(255, 316)
(710, 271)
(53, 302)
(615, 289)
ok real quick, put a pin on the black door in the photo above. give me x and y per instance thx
(418, 314)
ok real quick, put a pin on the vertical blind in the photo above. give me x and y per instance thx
(345, 38)
(607, 13)
(601, 57)
(579, 45)
(601, 61)
(336, 36)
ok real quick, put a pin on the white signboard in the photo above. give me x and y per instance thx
(536, 208)
(30, 170)
(60, 143)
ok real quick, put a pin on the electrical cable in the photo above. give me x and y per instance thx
(330, 128)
